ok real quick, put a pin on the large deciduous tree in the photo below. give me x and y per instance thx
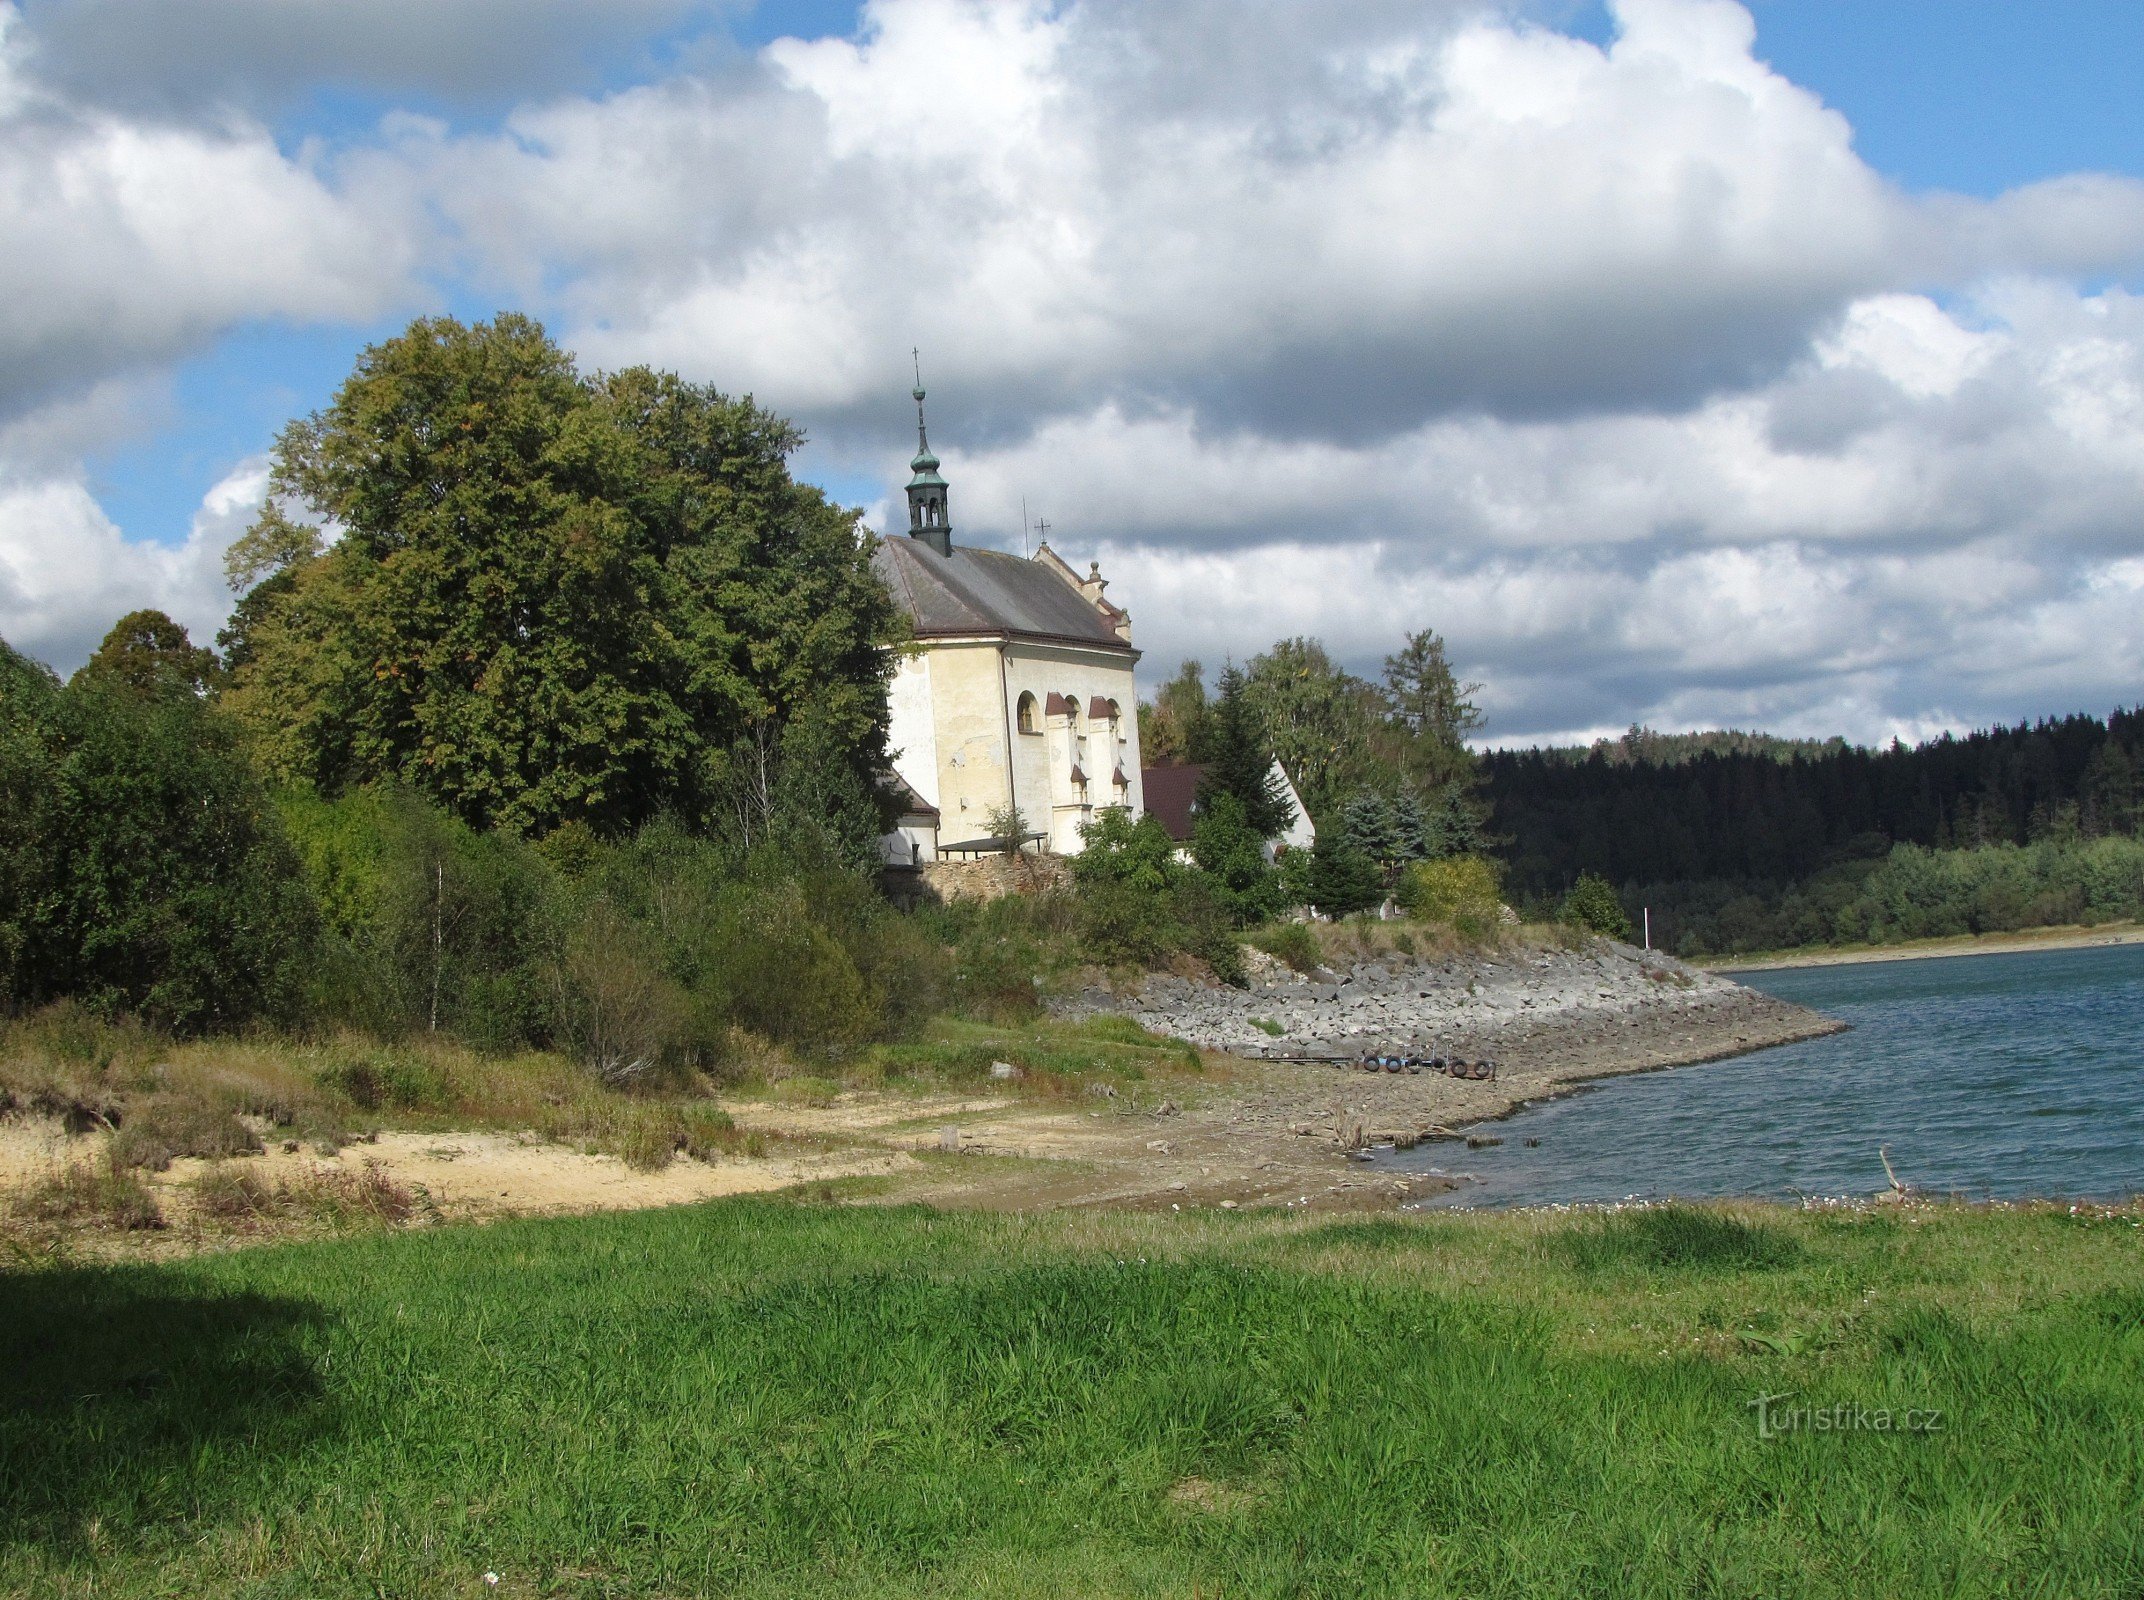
(554, 598)
(1321, 721)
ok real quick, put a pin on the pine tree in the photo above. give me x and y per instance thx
(1240, 763)
(1342, 879)
(1414, 830)
(1368, 823)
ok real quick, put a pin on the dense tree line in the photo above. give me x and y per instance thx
(1758, 816)
(550, 712)
(1743, 843)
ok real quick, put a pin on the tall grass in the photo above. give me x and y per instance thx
(757, 1398)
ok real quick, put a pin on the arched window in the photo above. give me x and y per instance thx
(1025, 716)
(1116, 713)
(1072, 710)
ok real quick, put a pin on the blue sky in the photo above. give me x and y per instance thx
(1341, 319)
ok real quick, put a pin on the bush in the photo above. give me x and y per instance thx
(160, 1129)
(390, 1080)
(1455, 887)
(1292, 942)
(1593, 904)
(85, 1195)
(431, 926)
(1342, 879)
(244, 1198)
(618, 1011)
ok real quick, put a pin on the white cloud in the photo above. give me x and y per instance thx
(67, 573)
(1617, 365)
(154, 56)
(129, 243)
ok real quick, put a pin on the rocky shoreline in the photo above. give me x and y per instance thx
(1551, 1016)
(1505, 998)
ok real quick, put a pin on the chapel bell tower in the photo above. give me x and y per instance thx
(928, 519)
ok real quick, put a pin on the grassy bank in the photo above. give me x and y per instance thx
(784, 1399)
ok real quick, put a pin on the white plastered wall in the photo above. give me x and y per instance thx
(1043, 761)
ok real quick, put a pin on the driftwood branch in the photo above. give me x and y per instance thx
(1883, 1154)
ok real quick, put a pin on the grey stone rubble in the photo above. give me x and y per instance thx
(1419, 1007)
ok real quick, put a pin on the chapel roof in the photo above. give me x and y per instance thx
(971, 591)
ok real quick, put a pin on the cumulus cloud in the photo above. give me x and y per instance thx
(1615, 363)
(1932, 519)
(1067, 203)
(130, 243)
(154, 56)
(67, 572)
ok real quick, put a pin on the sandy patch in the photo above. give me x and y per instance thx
(470, 1174)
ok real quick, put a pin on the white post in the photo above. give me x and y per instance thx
(1648, 927)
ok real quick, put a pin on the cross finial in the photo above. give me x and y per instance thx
(915, 354)
(1042, 530)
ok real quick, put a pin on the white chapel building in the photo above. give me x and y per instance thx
(1016, 696)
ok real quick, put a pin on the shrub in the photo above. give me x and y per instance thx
(1292, 942)
(1594, 904)
(649, 1139)
(84, 1195)
(709, 1132)
(160, 1129)
(1342, 879)
(994, 975)
(431, 926)
(234, 1196)
(390, 1080)
(1457, 886)
(620, 1013)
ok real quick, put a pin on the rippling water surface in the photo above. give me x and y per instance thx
(1990, 1076)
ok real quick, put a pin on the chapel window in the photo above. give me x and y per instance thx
(1026, 714)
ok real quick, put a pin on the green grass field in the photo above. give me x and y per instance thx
(803, 1399)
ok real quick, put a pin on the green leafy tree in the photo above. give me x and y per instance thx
(148, 653)
(1239, 762)
(1117, 850)
(1232, 855)
(555, 598)
(1432, 713)
(1369, 823)
(1175, 727)
(146, 871)
(29, 695)
(1594, 904)
(1322, 722)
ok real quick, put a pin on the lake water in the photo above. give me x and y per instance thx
(1989, 1076)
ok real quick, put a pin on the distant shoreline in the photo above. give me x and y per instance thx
(1986, 944)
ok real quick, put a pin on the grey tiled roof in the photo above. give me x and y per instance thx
(986, 591)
